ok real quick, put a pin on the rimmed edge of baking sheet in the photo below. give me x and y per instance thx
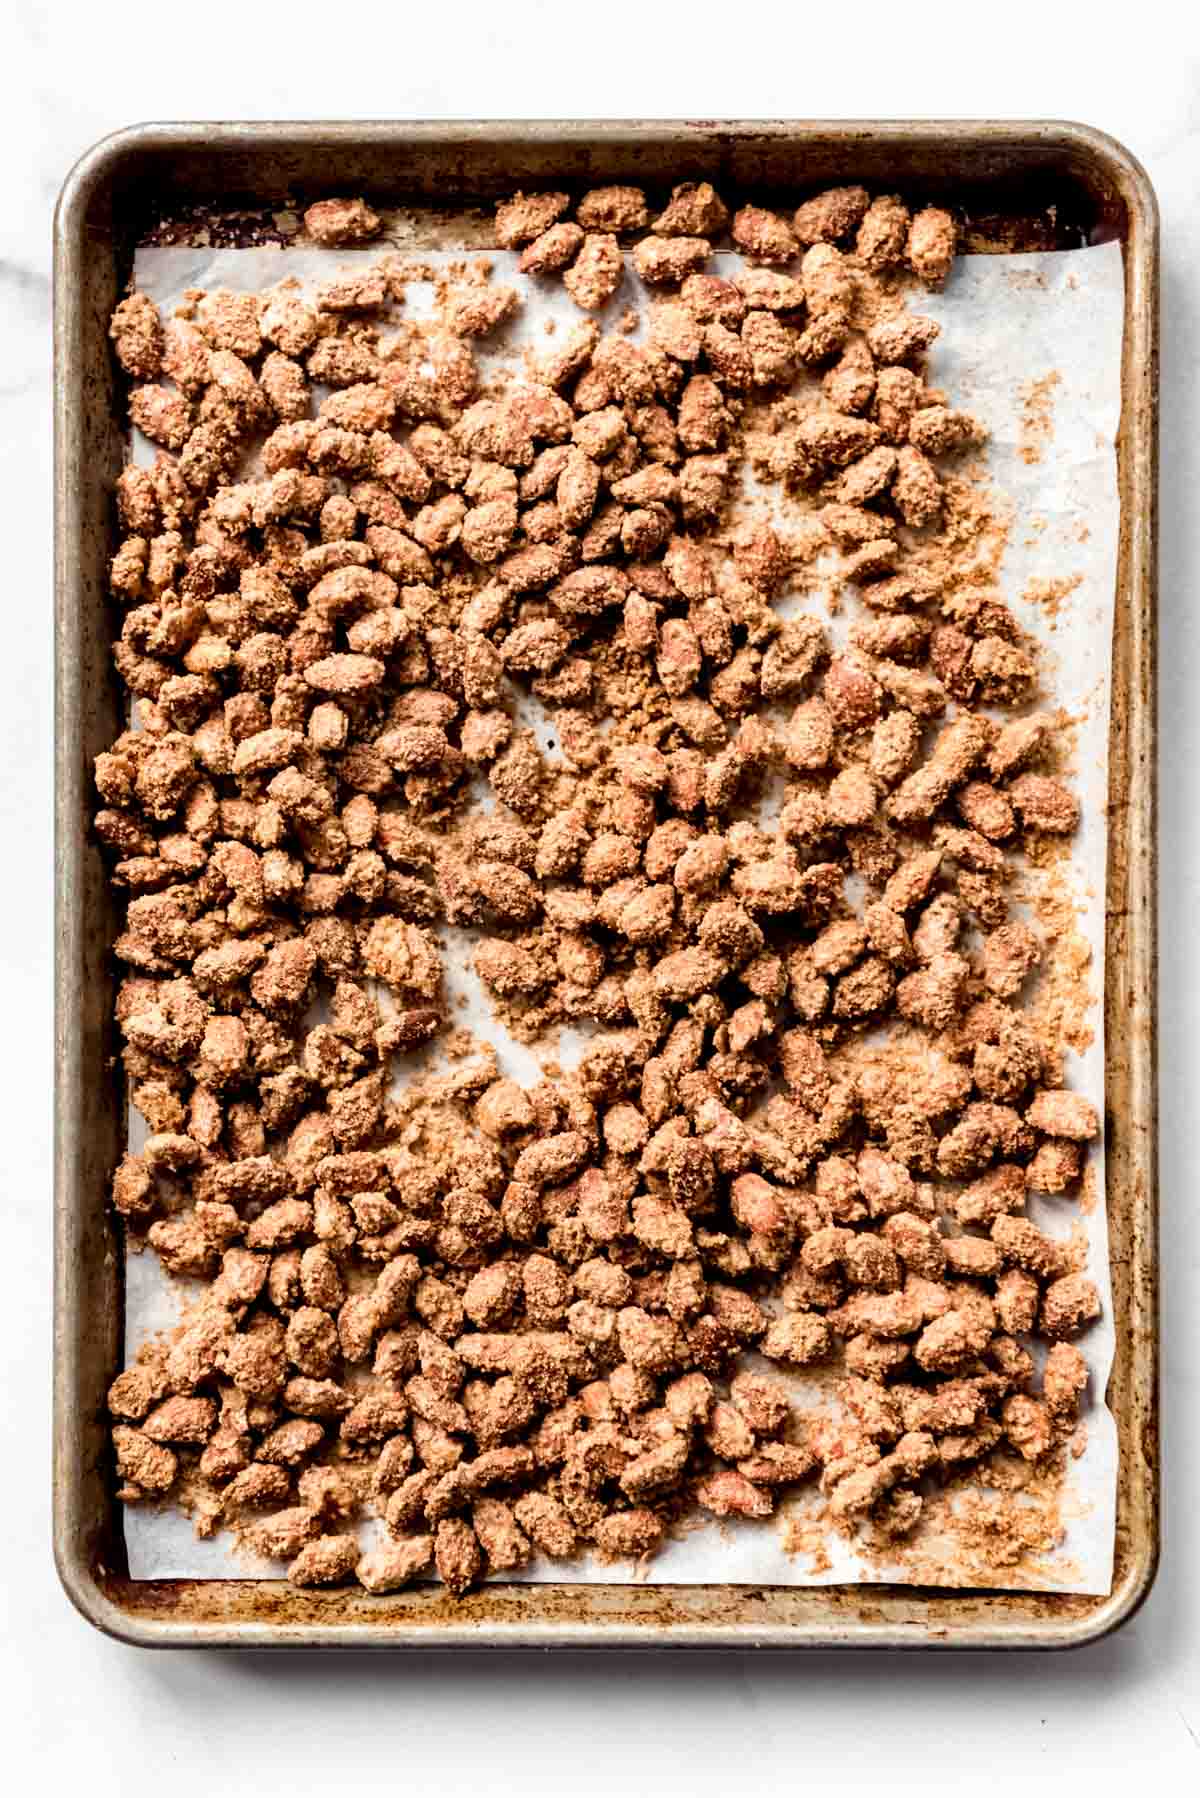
(87, 1295)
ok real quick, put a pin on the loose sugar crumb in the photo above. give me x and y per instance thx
(1037, 416)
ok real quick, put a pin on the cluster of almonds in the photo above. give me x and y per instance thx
(514, 1319)
(587, 250)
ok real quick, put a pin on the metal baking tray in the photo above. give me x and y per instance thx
(1016, 186)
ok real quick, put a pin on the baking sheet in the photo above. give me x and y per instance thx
(1008, 322)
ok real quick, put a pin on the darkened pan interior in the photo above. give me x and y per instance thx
(1013, 186)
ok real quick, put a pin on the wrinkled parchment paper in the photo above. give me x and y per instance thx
(1007, 322)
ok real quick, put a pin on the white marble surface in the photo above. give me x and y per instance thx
(74, 1706)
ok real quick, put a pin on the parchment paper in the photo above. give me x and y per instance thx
(1007, 322)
